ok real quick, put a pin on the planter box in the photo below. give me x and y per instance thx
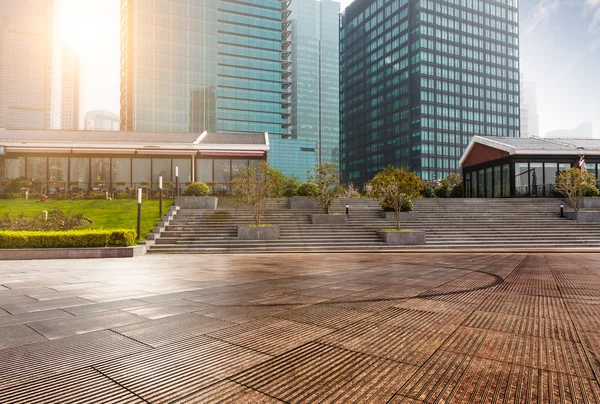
(583, 216)
(258, 233)
(590, 203)
(329, 219)
(404, 216)
(197, 202)
(403, 238)
(304, 203)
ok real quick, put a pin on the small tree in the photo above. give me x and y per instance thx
(253, 185)
(327, 177)
(575, 183)
(394, 186)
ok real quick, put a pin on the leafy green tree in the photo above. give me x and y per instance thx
(575, 183)
(253, 186)
(308, 189)
(394, 186)
(327, 178)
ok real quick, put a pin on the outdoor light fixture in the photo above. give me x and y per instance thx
(177, 179)
(160, 190)
(347, 209)
(139, 215)
(562, 210)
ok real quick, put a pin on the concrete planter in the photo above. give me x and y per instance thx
(583, 216)
(590, 203)
(258, 233)
(329, 219)
(304, 203)
(404, 216)
(403, 238)
(197, 202)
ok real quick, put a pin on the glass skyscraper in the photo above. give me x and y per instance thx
(214, 65)
(26, 64)
(419, 78)
(315, 88)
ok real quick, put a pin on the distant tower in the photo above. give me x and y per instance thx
(101, 120)
(70, 89)
(529, 115)
(26, 29)
(315, 66)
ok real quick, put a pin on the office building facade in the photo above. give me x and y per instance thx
(420, 78)
(70, 90)
(315, 65)
(26, 29)
(214, 65)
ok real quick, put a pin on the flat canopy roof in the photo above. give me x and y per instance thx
(145, 142)
(534, 146)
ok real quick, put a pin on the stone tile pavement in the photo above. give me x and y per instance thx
(347, 328)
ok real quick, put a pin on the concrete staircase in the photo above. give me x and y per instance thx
(203, 231)
(448, 224)
(482, 223)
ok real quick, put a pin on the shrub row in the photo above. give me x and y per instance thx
(67, 239)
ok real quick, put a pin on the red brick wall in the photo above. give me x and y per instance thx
(481, 154)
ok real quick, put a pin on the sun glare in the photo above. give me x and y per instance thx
(89, 26)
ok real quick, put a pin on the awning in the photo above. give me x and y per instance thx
(167, 152)
(233, 153)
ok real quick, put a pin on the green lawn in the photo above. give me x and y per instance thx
(116, 214)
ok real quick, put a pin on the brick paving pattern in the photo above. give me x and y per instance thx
(319, 328)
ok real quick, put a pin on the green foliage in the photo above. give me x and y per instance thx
(292, 183)
(428, 190)
(590, 190)
(253, 185)
(121, 195)
(288, 185)
(67, 239)
(308, 189)
(575, 183)
(393, 186)
(327, 178)
(57, 220)
(197, 189)
(407, 206)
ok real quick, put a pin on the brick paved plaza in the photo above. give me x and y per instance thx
(347, 328)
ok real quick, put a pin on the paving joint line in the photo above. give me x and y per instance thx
(119, 384)
(129, 338)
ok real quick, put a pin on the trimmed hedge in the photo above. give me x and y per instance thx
(67, 239)
(197, 189)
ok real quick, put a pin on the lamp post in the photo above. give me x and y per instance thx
(139, 215)
(160, 190)
(347, 209)
(562, 210)
(177, 179)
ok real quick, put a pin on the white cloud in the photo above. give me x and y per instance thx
(543, 10)
(594, 7)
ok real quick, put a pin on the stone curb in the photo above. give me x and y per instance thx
(71, 253)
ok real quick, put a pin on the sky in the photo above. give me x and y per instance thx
(560, 52)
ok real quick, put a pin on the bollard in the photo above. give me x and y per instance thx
(562, 210)
(347, 210)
